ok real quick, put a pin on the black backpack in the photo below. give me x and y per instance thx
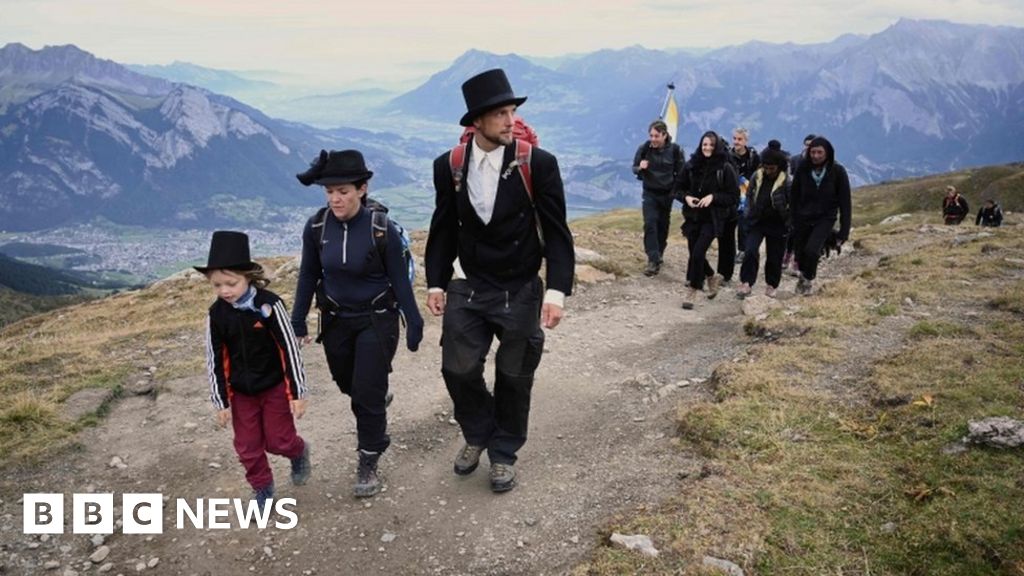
(676, 153)
(379, 230)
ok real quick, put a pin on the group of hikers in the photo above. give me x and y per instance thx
(499, 212)
(737, 197)
(955, 210)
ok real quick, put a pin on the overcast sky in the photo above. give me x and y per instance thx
(339, 41)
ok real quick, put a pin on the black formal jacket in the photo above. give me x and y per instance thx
(505, 253)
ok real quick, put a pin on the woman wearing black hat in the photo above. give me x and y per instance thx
(257, 381)
(361, 297)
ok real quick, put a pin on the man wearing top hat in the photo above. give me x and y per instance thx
(486, 216)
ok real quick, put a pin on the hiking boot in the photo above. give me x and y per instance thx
(468, 459)
(301, 467)
(503, 477)
(367, 480)
(714, 283)
(769, 291)
(652, 269)
(263, 495)
(387, 399)
(803, 286)
(688, 297)
(743, 291)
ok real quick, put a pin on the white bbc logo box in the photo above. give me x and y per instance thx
(93, 514)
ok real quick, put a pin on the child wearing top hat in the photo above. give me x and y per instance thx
(257, 381)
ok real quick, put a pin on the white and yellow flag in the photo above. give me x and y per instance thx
(671, 116)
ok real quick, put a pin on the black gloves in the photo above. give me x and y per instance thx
(413, 335)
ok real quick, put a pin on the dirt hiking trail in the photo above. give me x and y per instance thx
(600, 442)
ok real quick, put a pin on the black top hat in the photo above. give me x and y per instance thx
(487, 91)
(228, 251)
(336, 167)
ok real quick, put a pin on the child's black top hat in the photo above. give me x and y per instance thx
(229, 251)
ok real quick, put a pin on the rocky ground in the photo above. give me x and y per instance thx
(602, 424)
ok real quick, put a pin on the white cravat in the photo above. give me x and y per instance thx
(482, 180)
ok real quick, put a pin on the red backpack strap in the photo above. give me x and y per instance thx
(457, 161)
(524, 153)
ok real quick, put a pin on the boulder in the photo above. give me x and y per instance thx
(999, 432)
(638, 542)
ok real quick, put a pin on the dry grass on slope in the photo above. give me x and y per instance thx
(832, 447)
(105, 343)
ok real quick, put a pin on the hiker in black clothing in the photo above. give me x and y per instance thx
(766, 219)
(746, 160)
(989, 215)
(819, 194)
(954, 207)
(362, 294)
(710, 192)
(657, 163)
(500, 224)
(789, 260)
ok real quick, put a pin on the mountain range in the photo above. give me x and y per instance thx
(917, 98)
(82, 137)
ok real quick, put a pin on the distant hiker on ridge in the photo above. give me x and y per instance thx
(954, 207)
(989, 215)
(710, 192)
(500, 209)
(657, 163)
(257, 381)
(352, 259)
(819, 194)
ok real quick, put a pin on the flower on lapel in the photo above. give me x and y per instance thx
(511, 166)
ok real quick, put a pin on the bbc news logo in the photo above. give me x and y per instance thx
(144, 513)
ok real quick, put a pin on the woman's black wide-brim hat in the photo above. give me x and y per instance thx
(336, 167)
(229, 251)
(487, 91)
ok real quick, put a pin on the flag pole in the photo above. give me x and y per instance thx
(668, 94)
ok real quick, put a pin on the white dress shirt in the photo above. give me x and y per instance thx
(482, 179)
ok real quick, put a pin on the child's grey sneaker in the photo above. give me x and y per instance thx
(367, 480)
(301, 467)
(468, 459)
(263, 495)
(503, 477)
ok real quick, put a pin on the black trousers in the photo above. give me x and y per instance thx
(809, 239)
(359, 351)
(657, 211)
(775, 247)
(471, 321)
(699, 236)
(727, 250)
